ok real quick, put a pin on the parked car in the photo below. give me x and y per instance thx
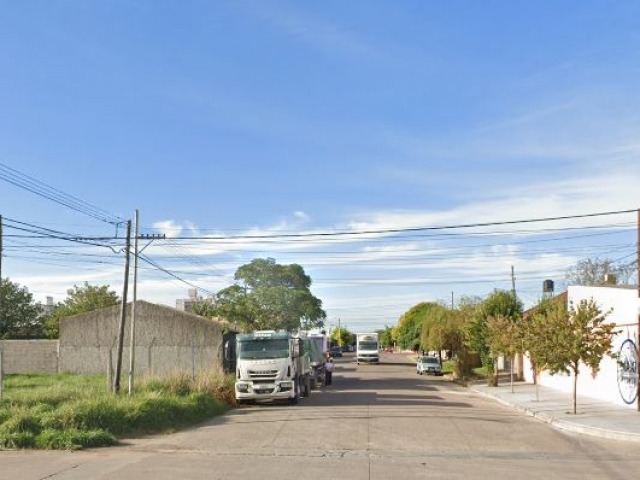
(429, 365)
(336, 351)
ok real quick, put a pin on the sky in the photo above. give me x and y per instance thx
(382, 124)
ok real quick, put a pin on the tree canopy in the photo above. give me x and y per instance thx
(20, 317)
(501, 303)
(80, 300)
(268, 295)
(409, 328)
(593, 271)
(579, 336)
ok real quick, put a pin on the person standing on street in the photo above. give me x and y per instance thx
(328, 371)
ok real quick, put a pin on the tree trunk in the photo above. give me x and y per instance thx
(513, 359)
(575, 391)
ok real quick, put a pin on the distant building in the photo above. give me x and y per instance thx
(186, 304)
(48, 307)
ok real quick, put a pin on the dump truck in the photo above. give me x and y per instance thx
(271, 365)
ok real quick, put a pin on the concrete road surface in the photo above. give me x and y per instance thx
(375, 422)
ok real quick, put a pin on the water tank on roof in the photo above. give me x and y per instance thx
(547, 286)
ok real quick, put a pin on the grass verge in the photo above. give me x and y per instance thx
(75, 411)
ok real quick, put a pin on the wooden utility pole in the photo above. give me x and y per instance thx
(132, 336)
(123, 314)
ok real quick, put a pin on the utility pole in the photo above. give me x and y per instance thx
(452, 306)
(517, 356)
(132, 335)
(123, 314)
(339, 334)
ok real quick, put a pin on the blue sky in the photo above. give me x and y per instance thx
(259, 117)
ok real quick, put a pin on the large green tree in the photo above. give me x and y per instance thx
(271, 296)
(500, 303)
(439, 329)
(80, 300)
(409, 327)
(20, 317)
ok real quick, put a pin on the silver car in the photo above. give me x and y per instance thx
(429, 365)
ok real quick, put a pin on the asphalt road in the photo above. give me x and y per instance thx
(375, 422)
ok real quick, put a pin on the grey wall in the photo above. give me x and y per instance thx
(29, 356)
(167, 340)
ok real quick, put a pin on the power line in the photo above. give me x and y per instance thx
(41, 189)
(405, 229)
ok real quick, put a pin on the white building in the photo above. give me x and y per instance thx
(616, 380)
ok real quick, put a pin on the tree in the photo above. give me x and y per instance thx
(409, 327)
(20, 317)
(539, 335)
(80, 300)
(593, 271)
(436, 329)
(580, 336)
(386, 336)
(504, 336)
(341, 336)
(270, 296)
(499, 303)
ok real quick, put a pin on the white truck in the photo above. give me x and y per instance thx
(271, 366)
(367, 348)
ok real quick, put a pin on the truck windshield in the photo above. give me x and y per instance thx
(368, 346)
(263, 348)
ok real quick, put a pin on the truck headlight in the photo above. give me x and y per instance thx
(242, 387)
(286, 386)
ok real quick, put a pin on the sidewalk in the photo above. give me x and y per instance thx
(594, 417)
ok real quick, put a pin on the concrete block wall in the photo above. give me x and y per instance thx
(167, 340)
(29, 356)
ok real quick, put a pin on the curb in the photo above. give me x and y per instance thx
(565, 425)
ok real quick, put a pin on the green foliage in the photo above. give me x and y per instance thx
(73, 439)
(568, 339)
(269, 296)
(500, 303)
(80, 300)
(443, 329)
(386, 336)
(409, 328)
(20, 318)
(341, 336)
(32, 414)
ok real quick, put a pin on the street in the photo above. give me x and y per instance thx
(375, 422)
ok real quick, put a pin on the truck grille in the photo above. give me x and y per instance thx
(263, 374)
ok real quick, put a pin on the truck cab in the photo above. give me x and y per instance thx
(367, 348)
(270, 366)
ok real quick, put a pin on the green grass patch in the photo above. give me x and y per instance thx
(447, 366)
(76, 411)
